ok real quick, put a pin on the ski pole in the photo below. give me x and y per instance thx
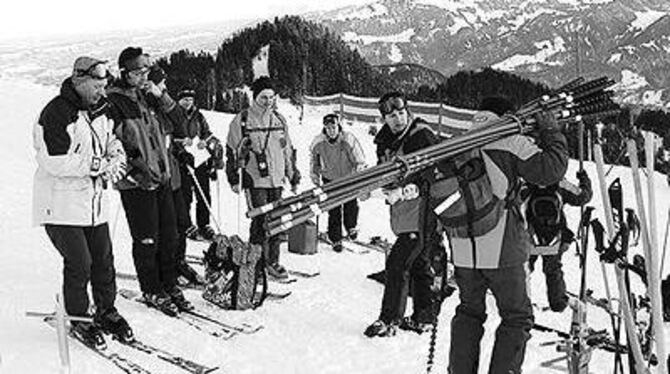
(239, 198)
(665, 243)
(202, 195)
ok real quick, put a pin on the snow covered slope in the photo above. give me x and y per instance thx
(318, 329)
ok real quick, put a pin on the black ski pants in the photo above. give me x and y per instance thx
(348, 211)
(552, 267)
(189, 188)
(87, 256)
(408, 263)
(508, 286)
(183, 223)
(153, 226)
(257, 197)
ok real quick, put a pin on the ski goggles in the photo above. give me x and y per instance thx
(96, 71)
(391, 104)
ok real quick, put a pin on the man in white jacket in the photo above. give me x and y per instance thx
(78, 158)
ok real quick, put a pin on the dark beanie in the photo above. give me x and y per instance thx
(260, 84)
(128, 57)
(496, 104)
(156, 74)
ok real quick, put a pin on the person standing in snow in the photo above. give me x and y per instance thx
(549, 230)
(146, 192)
(259, 148)
(335, 154)
(490, 253)
(411, 222)
(195, 125)
(78, 157)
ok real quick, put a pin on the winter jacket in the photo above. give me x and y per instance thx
(66, 138)
(194, 124)
(406, 215)
(334, 159)
(142, 135)
(268, 135)
(507, 161)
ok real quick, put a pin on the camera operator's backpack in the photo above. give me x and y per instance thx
(463, 198)
(235, 273)
(544, 214)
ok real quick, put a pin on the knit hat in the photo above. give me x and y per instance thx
(186, 91)
(156, 74)
(496, 104)
(88, 67)
(132, 58)
(260, 84)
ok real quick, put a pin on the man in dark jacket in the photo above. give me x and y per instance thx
(146, 193)
(549, 230)
(194, 125)
(494, 259)
(411, 221)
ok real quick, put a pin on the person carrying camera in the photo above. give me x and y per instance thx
(259, 149)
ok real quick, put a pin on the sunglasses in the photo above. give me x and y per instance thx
(95, 71)
(140, 71)
(391, 104)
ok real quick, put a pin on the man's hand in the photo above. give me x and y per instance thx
(546, 121)
(153, 89)
(235, 188)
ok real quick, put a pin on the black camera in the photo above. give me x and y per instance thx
(262, 161)
(96, 163)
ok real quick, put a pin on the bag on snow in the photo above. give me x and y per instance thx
(235, 273)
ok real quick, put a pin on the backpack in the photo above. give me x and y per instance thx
(544, 214)
(235, 273)
(463, 198)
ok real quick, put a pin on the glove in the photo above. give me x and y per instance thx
(546, 121)
(217, 156)
(295, 181)
(235, 188)
(393, 195)
(202, 144)
(294, 188)
(186, 158)
(582, 176)
(410, 191)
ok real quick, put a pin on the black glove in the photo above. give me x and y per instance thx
(546, 121)
(186, 158)
(296, 178)
(217, 157)
(583, 177)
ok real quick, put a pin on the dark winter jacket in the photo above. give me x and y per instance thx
(67, 137)
(335, 158)
(142, 135)
(406, 215)
(541, 161)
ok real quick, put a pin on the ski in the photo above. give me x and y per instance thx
(599, 339)
(183, 363)
(244, 328)
(182, 285)
(124, 363)
(304, 274)
(282, 280)
(601, 303)
(278, 295)
(217, 331)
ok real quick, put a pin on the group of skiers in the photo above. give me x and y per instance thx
(499, 205)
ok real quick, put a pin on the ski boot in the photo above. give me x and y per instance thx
(178, 299)
(410, 324)
(206, 233)
(162, 302)
(337, 247)
(89, 334)
(111, 322)
(184, 270)
(192, 232)
(380, 328)
(277, 271)
(352, 234)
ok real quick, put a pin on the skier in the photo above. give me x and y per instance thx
(176, 151)
(549, 230)
(490, 246)
(195, 125)
(146, 193)
(78, 156)
(411, 221)
(334, 154)
(259, 146)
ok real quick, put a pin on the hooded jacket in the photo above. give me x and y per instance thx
(334, 159)
(268, 135)
(66, 138)
(142, 135)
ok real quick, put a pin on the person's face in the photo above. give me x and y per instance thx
(397, 120)
(266, 98)
(332, 129)
(138, 77)
(186, 102)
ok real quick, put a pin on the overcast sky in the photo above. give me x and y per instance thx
(32, 18)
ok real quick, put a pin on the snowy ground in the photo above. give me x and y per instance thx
(318, 329)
